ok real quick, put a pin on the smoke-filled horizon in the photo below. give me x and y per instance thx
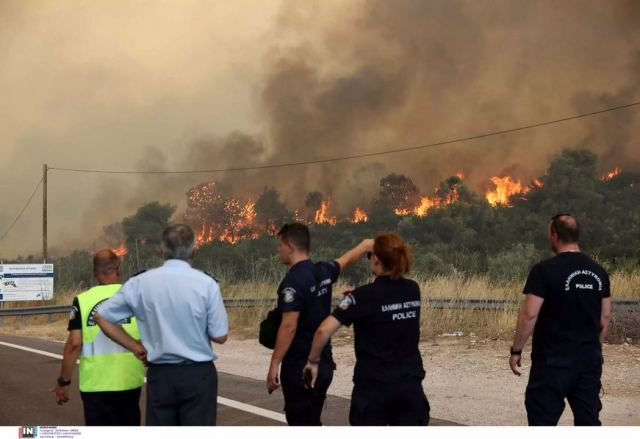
(195, 85)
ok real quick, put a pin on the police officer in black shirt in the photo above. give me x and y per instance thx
(386, 322)
(567, 307)
(304, 298)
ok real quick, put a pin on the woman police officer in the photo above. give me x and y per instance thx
(386, 317)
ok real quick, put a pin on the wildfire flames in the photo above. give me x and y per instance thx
(231, 219)
(321, 216)
(505, 188)
(239, 224)
(227, 220)
(612, 174)
(120, 251)
(438, 200)
(359, 216)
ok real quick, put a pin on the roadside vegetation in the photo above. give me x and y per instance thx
(464, 245)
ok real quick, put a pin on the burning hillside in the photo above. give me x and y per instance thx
(230, 219)
(218, 217)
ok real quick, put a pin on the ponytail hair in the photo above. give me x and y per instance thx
(393, 253)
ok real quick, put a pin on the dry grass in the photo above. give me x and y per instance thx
(495, 324)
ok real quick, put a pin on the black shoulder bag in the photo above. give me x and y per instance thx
(271, 323)
(269, 328)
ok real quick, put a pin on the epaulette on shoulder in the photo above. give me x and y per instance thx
(211, 276)
(139, 272)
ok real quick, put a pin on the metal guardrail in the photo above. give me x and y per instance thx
(434, 303)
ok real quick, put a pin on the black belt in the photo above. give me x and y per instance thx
(182, 363)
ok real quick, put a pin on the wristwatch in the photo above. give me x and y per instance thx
(514, 352)
(62, 382)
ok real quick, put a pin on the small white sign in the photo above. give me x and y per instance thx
(26, 282)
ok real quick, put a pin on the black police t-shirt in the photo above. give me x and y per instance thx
(572, 286)
(386, 324)
(307, 288)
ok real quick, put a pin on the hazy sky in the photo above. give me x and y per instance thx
(207, 84)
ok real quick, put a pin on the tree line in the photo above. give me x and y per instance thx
(462, 234)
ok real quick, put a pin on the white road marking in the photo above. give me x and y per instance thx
(252, 409)
(221, 400)
(35, 351)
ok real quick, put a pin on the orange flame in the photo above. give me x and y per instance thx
(359, 216)
(505, 188)
(120, 251)
(537, 184)
(427, 203)
(239, 223)
(297, 216)
(321, 216)
(612, 174)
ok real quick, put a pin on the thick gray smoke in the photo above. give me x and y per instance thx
(292, 81)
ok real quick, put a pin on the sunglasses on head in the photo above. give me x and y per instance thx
(369, 254)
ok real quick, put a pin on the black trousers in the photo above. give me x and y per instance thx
(121, 408)
(183, 394)
(552, 379)
(302, 406)
(397, 404)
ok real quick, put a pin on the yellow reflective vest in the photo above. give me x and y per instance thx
(105, 366)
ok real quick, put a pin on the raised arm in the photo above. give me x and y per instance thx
(351, 256)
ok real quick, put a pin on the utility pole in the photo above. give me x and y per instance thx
(44, 212)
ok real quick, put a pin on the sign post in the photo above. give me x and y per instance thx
(19, 282)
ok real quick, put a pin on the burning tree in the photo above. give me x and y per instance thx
(448, 192)
(215, 217)
(505, 187)
(399, 192)
(115, 238)
(317, 209)
(205, 211)
(312, 204)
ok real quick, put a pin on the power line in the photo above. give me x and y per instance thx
(355, 156)
(22, 211)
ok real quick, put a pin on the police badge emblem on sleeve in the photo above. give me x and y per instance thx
(347, 302)
(289, 295)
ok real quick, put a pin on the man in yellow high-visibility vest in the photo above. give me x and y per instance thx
(111, 377)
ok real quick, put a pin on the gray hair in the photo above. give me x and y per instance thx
(178, 242)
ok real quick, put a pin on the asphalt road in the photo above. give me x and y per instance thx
(27, 378)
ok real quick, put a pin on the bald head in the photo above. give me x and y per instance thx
(105, 262)
(566, 228)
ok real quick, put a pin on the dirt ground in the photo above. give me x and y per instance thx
(468, 379)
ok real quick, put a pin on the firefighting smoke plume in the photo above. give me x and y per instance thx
(194, 87)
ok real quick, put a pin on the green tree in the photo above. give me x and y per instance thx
(147, 224)
(271, 211)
